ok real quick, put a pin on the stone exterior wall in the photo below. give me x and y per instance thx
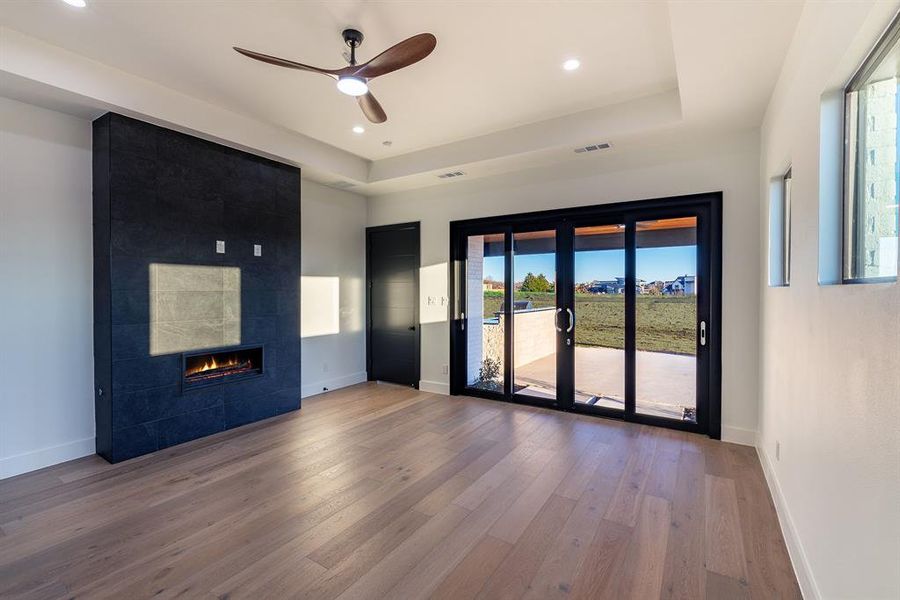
(535, 336)
(475, 308)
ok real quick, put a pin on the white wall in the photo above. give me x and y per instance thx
(46, 289)
(830, 363)
(333, 269)
(674, 164)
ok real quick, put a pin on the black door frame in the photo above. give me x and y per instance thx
(418, 261)
(707, 205)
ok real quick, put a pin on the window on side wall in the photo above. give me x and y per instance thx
(871, 168)
(780, 231)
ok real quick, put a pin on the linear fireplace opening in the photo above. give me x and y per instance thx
(211, 367)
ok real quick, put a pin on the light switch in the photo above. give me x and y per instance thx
(257, 250)
(220, 247)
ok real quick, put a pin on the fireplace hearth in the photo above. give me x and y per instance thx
(211, 367)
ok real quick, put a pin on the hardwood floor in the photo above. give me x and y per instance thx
(377, 491)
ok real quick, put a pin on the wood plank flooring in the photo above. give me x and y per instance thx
(377, 491)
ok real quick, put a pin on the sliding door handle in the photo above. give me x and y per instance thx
(571, 320)
(556, 320)
(702, 333)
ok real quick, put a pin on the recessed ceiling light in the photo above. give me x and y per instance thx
(78, 3)
(571, 64)
(359, 129)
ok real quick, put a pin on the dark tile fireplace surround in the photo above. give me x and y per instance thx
(190, 340)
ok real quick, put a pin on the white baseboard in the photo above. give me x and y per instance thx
(737, 435)
(805, 578)
(435, 387)
(326, 385)
(45, 457)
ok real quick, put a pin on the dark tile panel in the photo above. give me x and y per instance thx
(253, 388)
(130, 341)
(247, 410)
(130, 273)
(259, 303)
(136, 374)
(133, 408)
(190, 426)
(132, 306)
(134, 441)
(132, 136)
(132, 181)
(258, 330)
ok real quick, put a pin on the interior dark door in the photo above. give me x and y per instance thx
(392, 324)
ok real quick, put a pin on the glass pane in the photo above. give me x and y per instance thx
(600, 316)
(534, 311)
(666, 318)
(485, 295)
(872, 211)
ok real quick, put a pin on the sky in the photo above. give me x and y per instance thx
(652, 264)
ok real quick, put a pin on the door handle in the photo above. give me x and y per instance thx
(571, 320)
(702, 333)
(556, 320)
(412, 327)
(462, 321)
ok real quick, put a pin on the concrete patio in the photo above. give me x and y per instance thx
(666, 383)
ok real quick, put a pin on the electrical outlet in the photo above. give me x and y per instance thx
(777, 450)
(445, 369)
(220, 247)
(257, 250)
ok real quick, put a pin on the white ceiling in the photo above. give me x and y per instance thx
(495, 75)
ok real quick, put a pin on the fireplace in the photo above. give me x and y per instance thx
(211, 367)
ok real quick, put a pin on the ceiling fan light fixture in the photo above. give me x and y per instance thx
(352, 86)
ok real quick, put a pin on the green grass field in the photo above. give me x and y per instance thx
(664, 323)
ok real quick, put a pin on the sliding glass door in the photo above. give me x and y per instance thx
(607, 310)
(599, 305)
(535, 316)
(665, 318)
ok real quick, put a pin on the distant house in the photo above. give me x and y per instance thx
(683, 285)
(614, 286)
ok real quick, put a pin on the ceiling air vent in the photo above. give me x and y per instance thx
(451, 175)
(592, 148)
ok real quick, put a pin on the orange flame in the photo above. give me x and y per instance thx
(211, 364)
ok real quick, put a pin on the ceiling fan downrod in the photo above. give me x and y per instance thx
(353, 38)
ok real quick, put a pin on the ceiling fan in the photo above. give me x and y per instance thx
(353, 79)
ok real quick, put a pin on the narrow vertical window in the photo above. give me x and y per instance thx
(872, 172)
(786, 230)
(780, 231)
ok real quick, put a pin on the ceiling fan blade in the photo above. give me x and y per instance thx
(371, 108)
(283, 62)
(401, 55)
